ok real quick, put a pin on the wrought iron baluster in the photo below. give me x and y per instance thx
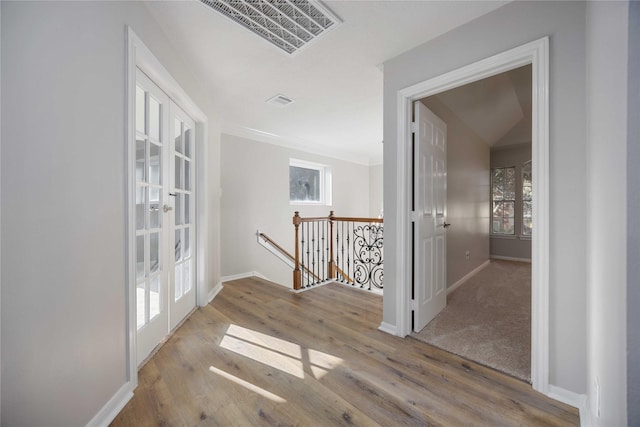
(302, 264)
(323, 270)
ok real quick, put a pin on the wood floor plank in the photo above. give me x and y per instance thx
(262, 355)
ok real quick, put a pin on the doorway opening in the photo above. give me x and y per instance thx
(535, 53)
(487, 304)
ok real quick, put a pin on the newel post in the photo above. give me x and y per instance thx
(297, 273)
(331, 266)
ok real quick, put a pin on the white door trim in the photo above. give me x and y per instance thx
(137, 55)
(537, 54)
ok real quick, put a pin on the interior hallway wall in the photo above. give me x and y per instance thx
(467, 194)
(255, 182)
(376, 182)
(64, 342)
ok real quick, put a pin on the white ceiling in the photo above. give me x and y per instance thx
(497, 109)
(336, 83)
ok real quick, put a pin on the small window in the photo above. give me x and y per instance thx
(527, 217)
(309, 183)
(503, 198)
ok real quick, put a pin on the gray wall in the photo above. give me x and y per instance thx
(255, 182)
(510, 26)
(375, 190)
(63, 203)
(607, 37)
(633, 219)
(512, 246)
(467, 194)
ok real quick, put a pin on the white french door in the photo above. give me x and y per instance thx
(165, 201)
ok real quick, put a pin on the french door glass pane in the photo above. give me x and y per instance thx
(154, 119)
(140, 270)
(187, 175)
(187, 209)
(140, 305)
(187, 247)
(178, 246)
(178, 172)
(139, 109)
(155, 214)
(187, 142)
(154, 297)
(177, 135)
(154, 252)
(178, 281)
(187, 276)
(140, 206)
(140, 160)
(155, 162)
(179, 198)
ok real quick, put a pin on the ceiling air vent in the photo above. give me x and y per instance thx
(279, 100)
(289, 24)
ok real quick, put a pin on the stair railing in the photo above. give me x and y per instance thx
(344, 249)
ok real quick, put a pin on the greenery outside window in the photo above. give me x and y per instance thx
(503, 200)
(527, 218)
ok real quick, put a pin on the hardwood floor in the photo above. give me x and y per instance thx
(262, 355)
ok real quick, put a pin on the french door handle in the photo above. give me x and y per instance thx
(167, 208)
(445, 225)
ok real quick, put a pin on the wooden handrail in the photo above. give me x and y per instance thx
(349, 219)
(285, 253)
(344, 275)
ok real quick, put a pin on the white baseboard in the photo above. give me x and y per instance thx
(467, 276)
(510, 258)
(579, 401)
(388, 328)
(215, 291)
(113, 407)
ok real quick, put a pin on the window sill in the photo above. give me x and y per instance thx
(503, 236)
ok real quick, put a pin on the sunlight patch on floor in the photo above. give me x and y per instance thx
(247, 385)
(278, 353)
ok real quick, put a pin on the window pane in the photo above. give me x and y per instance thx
(304, 184)
(139, 109)
(509, 189)
(527, 215)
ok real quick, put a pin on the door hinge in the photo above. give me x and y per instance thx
(414, 127)
(414, 305)
(413, 216)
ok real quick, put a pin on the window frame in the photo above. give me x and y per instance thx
(523, 234)
(325, 182)
(514, 201)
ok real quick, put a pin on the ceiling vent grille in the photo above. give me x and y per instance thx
(279, 100)
(289, 24)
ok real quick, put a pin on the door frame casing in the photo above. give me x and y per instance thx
(138, 55)
(535, 53)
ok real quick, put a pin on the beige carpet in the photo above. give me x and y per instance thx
(488, 319)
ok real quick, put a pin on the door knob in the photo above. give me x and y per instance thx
(167, 208)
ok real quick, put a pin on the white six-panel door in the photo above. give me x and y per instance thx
(165, 208)
(430, 192)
